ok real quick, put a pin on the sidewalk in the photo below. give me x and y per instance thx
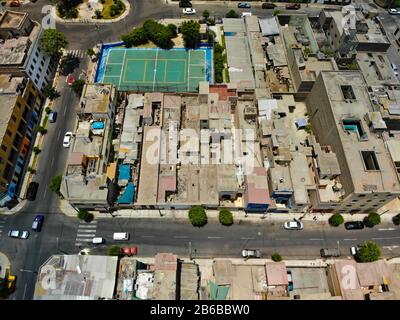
(4, 265)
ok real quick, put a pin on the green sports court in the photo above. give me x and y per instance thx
(147, 70)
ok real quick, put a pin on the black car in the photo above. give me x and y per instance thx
(185, 4)
(32, 190)
(354, 225)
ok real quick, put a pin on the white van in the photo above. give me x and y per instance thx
(97, 240)
(246, 14)
(121, 236)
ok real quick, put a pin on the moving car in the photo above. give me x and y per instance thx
(328, 253)
(293, 225)
(32, 190)
(18, 234)
(354, 225)
(37, 223)
(251, 253)
(189, 11)
(244, 5)
(67, 140)
(293, 6)
(268, 5)
(290, 280)
(393, 11)
(52, 116)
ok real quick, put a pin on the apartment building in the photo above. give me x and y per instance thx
(20, 105)
(20, 54)
(341, 116)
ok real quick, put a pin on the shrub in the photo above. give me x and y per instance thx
(85, 215)
(197, 216)
(372, 219)
(276, 257)
(114, 251)
(396, 219)
(225, 217)
(336, 220)
(369, 251)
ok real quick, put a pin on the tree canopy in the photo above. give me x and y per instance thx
(52, 41)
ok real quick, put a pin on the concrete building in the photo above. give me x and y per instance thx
(339, 108)
(20, 105)
(76, 277)
(20, 54)
(87, 182)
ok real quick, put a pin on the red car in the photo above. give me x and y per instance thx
(70, 80)
(293, 6)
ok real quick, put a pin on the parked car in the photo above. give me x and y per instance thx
(244, 5)
(354, 250)
(393, 11)
(354, 225)
(18, 234)
(32, 191)
(52, 116)
(293, 225)
(293, 6)
(67, 140)
(251, 253)
(189, 11)
(185, 4)
(37, 223)
(328, 253)
(268, 5)
(290, 280)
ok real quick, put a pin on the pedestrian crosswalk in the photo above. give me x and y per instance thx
(75, 53)
(86, 232)
(2, 224)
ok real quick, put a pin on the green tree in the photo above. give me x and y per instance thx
(396, 219)
(114, 251)
(336, 219)
(232, 14)
(276, 257)
(191, 33)
(372, 219)
(136, 37)
(369, 251)
(55, 184)
(197, 216)
(50, 92)
(206, 14)
(77, 86)
(52, 41)
(85, 215)
(225, 217)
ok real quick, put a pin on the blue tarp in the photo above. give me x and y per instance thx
(127, 196)
(124, 172)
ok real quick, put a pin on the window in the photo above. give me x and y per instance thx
(348, 92)
(370, 160)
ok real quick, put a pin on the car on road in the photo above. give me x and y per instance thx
(251, 253)
(67, 140)
(354, 225)
(268, 5)
(32, 191)
(354, 250)
(52, 117)
(293, 6)
(37, 223)
(393, 11)
(70, 80)
(18, 234)
(290, 280)
(293, 225)
(189, 11)
(244, 5)
(185, 4)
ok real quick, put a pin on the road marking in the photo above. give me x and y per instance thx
(388, 238)
(181, 237)
(244, 238)
(386, 229)
(315, 239)
(214, 237)
(354, 239)
(147, 236)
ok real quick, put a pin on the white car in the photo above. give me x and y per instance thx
(67, 140)
(393, 11)
(293, 225)
(189, 11)
(18, 234)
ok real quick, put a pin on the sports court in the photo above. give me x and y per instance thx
(143, 70)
